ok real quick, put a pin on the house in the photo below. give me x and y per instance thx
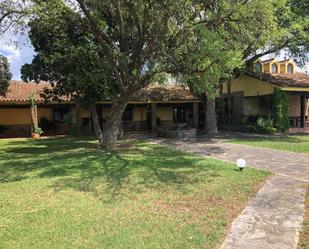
(251, 92)
(148, 108)
(162, 106)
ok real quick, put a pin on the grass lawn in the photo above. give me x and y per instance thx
(65, 193)
(304, 236)
(288, 143)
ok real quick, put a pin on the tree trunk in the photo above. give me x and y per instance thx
(210, 122)
(96, 125)
(229, 101)
(34, 117)
(113, 125)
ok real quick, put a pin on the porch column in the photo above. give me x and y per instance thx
(195, 115)
(153, 117)
(302, 111)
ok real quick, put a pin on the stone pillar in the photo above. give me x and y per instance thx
(195, 115)
(302, 111)
(153, 117)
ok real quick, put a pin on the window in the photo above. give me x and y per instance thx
(290, 68)
(179, 115)
(274, 68)
(258, 67)
(127, 114)
(61, 113)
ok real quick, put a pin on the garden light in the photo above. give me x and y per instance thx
(241, 164)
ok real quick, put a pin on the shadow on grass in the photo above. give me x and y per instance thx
(71, 163)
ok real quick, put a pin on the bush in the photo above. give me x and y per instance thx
(265, 125)
(252, 120)
(38, 130)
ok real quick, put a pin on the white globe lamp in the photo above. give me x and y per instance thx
(241, 164)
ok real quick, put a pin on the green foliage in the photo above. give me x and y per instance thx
(281, 110)
(219, 45)
(260, 124)
(38, 130)
(5, 75)
(265, 125)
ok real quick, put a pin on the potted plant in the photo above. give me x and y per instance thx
(37, 133)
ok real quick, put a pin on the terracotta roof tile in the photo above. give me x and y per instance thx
(20, 92)
(282, 80)
(163, 93)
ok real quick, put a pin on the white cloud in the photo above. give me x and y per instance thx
(17, 55)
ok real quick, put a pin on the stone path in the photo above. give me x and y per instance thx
(273, 219)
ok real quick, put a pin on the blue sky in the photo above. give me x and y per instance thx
(20, 55)
(17, 57)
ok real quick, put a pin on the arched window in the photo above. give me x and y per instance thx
(258, 67)
(290, 68)
(274, 68)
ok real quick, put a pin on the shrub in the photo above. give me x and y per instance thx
(254, 118)
(38, 130)
(265, 125)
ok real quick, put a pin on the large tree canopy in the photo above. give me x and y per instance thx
(219, 47)
(252, 29)
(106, 49)
(5, 75)
(95, 50)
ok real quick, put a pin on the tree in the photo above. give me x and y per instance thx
(118, 47)
(127, 44)
(5, 75)
(218, 48)
(290, 33)
(259, 28)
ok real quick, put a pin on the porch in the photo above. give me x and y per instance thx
(152, 116)
(299, 111)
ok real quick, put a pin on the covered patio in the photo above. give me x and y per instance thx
(299, 110)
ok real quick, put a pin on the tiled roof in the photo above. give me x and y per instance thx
(20, 92)
(163, 93)
(300, 80)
